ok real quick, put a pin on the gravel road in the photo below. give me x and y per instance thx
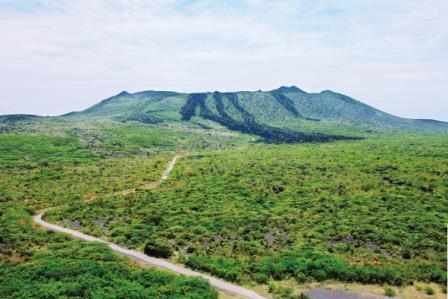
(160, 263)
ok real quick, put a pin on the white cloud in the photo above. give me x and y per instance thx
(66, 55)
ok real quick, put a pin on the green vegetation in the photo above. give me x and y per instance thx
(369, 208)
(389, 292)
(41, 171)
(280, 292)
(344, 211)
(28, 151)
(158, 248)
(39, 264)
(136, 137)
(247, 124)
(43, 185)
(429, 290)
(286, 114)
(226, 268)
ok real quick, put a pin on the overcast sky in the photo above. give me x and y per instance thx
(64, 55)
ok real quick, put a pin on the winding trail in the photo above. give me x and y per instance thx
(157, 262)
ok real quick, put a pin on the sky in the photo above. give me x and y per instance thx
(58, 56)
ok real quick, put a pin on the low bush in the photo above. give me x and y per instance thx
(389, 292)
(158, 248)
(429, 290)
(226, 268)
(306, 264)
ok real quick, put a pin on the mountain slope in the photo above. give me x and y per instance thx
(280, 106)
(124, 106)
(286, 114)
(212, 107)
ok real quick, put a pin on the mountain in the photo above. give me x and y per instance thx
(285, 114)
(282, 105)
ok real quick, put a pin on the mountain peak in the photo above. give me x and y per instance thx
(291, 88)
(123, 93)
(328, 91)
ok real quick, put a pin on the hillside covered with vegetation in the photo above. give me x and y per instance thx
(277, 107)
(272, 189)
(283, 115)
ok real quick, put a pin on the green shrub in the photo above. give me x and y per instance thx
(227, 268)
(158, 248)
(378, 275)
(429, 290)
(301, 277)
(389, 292)
(261, 278)
(305, 264)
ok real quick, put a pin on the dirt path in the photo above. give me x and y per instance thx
(160, 263)
(151, 185)
(170, 167)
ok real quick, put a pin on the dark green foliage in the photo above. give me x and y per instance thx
(48, 265)
(88, 276)
(158, 248)
(303, 264)
(226, 268)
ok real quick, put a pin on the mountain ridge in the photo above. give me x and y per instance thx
(278, 115)
(283, 91)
